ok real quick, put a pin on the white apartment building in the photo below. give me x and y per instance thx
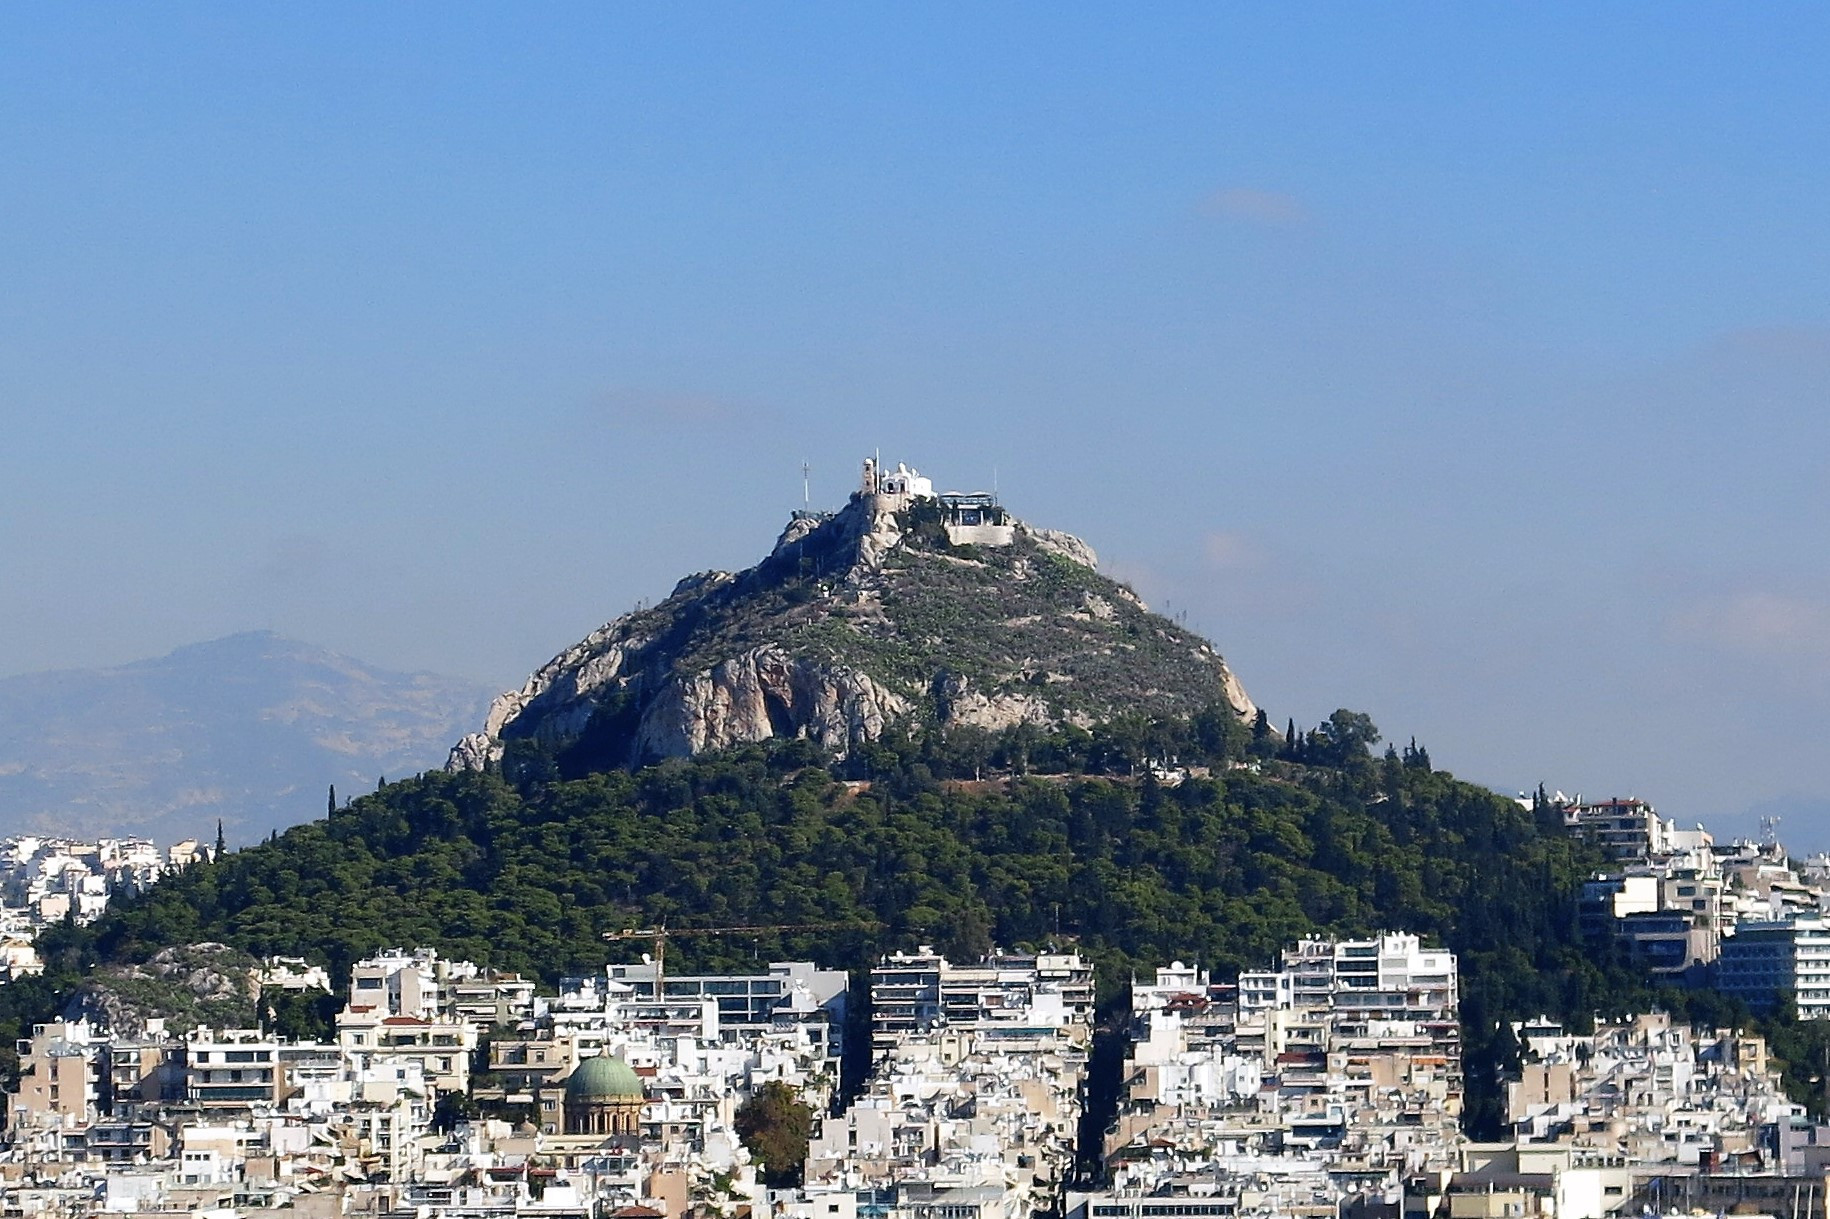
(1391, 976)
(399, 983)
(922, 991)
(232, 1068)
(1763, 959)
(1625, 828)
(790, 992)
(441, 1047)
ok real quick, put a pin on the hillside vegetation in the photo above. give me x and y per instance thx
(1075, 841)
(1017, 622)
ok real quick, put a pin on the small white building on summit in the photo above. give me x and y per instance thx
(970, 518)
(902, 481)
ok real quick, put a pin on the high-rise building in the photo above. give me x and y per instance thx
(1762, 960)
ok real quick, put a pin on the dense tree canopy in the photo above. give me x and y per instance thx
(960, 840)
(776, 1126)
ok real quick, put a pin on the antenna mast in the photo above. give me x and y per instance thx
(806, 493)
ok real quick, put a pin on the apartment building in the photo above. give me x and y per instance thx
(1765, 959)
(920, 992)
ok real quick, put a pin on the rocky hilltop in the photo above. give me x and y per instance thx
(906, 605)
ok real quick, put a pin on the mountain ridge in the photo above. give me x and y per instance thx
(250, 729)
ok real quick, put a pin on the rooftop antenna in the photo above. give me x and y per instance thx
(806, 493)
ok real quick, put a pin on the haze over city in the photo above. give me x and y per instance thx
(1463, 366)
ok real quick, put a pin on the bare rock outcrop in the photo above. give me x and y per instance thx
(185, 985)
(766, 693)
(960, 702)
(1064, 544)
(474, 751)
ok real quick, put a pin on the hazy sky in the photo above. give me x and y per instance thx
(1464, 364)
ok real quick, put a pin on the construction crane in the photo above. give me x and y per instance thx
(661, 933)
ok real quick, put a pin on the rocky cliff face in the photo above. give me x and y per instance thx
(855, 622)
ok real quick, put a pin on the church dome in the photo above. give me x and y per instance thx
(605, 1077)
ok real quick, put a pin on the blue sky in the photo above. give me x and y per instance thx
(1462, 364)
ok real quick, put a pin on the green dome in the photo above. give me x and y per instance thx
(603, 1078)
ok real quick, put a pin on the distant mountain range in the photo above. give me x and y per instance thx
(251, 729)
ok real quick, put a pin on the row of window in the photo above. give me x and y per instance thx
(205, 1056)
(762, 988)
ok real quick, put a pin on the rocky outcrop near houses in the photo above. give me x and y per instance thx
(184, 985)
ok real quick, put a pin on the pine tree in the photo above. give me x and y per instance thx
(1264, 742)
(221, 847)
(331, 810)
